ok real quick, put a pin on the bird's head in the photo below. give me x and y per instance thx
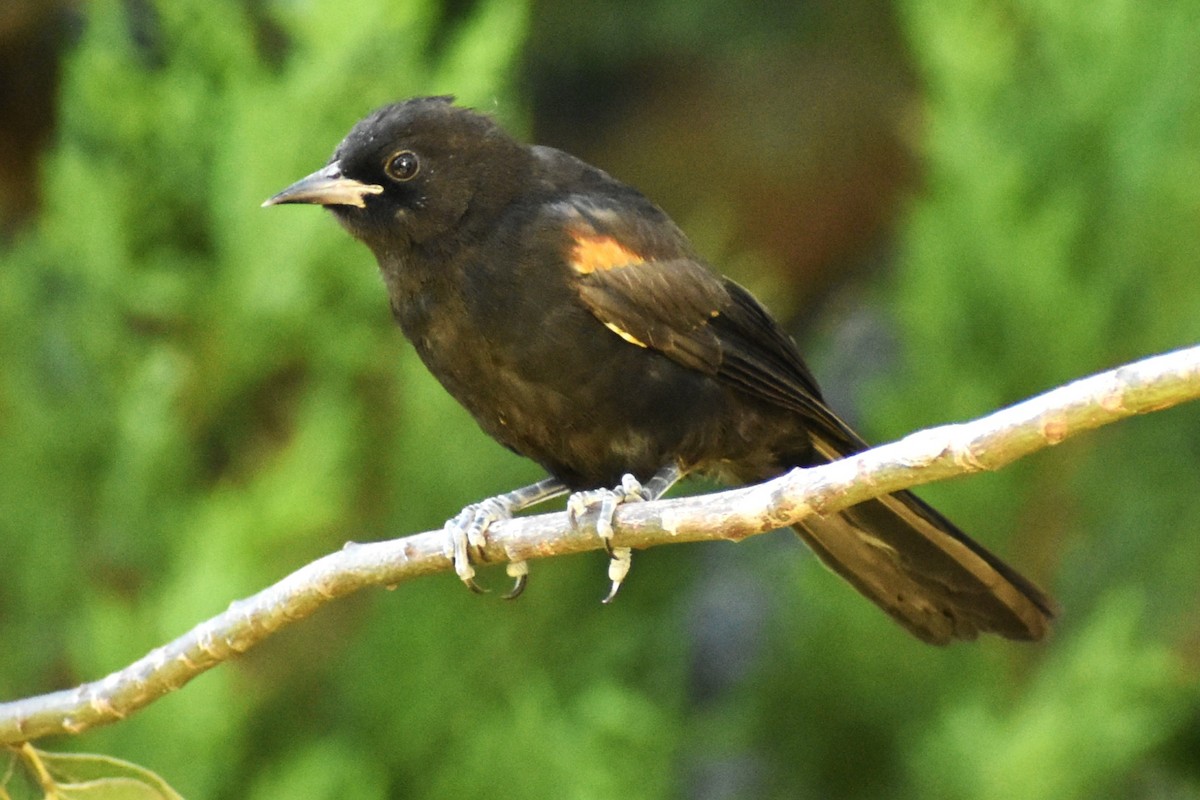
(412, 171)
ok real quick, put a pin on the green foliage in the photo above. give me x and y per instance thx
(76, 776)
(1084, 724)
(199, 396)
(1057, 237)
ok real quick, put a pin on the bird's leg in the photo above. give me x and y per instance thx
(607, 500)
(466, 530)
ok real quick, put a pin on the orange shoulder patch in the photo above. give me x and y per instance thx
(593, 253)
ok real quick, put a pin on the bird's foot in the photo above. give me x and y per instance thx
(606, 501)
(466, 532)
(465, 538)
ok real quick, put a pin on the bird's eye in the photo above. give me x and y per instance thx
(402, 166)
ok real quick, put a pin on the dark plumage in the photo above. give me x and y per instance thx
(575, 322)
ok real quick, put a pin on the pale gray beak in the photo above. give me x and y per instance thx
(326, 187)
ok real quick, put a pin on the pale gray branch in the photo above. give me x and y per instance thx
(935, 454)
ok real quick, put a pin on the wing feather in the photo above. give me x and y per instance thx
(650, 289)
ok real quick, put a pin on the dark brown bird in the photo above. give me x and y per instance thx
(576, 323)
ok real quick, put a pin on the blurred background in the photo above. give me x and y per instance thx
(954, 206)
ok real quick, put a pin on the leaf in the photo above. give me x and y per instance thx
(99, 777)
(113, 789)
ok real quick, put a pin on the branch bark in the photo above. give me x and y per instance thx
(930, 455)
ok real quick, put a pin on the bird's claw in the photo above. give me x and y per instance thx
(519, 572)
(607, 500)
(466, 533)
(618, 568)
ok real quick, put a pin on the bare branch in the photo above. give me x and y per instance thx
(935, 454)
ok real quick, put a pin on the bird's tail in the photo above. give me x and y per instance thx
(921, 569)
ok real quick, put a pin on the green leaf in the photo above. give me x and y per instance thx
(99, 777)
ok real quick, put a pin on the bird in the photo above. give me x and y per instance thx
(581, 329)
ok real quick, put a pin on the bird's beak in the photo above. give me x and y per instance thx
(326, 187)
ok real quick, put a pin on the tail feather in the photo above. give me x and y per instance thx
(922, 570)
(925, 573)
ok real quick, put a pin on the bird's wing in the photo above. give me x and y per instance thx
(639, 278)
